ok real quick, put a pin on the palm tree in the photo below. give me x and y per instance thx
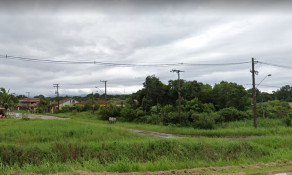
(6, 100)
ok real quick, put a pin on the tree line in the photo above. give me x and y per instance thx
(202, 105)
(157, 102)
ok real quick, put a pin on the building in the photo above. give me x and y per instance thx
(98, 102)
(28, 103)
(63, 102)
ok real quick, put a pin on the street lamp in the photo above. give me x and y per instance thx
(264, 79)
(262, 97)
(254, 98)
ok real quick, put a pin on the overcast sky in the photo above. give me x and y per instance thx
(142, 32)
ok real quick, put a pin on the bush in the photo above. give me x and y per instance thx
(204, 120)
(287, 121)
(155, 109)
(128, 113)
(39, 110)
(150, 119)
(89, 106)
(109, 111)
(79, 108)
(274, 109)
(166, 114)
(66, 109)
(231, 114)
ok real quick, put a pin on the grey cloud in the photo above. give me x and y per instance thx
(141, 32)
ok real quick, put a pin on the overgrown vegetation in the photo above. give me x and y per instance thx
(49, 146)
(216, 124)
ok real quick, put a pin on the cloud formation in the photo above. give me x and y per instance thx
(141, 32)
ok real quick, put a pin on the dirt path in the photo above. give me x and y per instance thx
(155, 134)
(167, 135)
(274, 168)
(45, 117)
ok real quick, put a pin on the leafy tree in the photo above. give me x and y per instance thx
(44, 104)
(20, 97)
(274, 109)
(284, 93)
(227, 95)
(137, 98)
(191, 89)
(155, 90)
(7, 100)
(264, 96)
(261, 96)
(40, 96)
(231, 114)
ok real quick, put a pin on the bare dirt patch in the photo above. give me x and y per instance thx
(155, 134)
(167, 135)
(235, 170)
(45, 117)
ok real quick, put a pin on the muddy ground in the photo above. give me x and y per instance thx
(234, 170)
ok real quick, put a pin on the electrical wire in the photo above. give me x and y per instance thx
(265, 85)
(115, 64)
(275, 65)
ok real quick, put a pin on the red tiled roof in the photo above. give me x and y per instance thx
(26, 100)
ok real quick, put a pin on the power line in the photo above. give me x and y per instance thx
(265, 85)
(275, 65)
(116, 64)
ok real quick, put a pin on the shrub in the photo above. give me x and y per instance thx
(167, 114)
(287, 121)
(128, 113)
(208, 107)
(39, 110)
(89, 106)
(79, 108)
(155, 109)
(231, 114)
(25, 116)
(203, 120)
(171, 117)
(66, 108)
(109, 111)
(150, 119)
(274, 109)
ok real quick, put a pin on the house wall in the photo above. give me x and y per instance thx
(69, 103)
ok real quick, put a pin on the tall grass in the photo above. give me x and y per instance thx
(266, 127)
(49, 146)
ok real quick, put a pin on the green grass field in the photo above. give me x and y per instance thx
(85, 143)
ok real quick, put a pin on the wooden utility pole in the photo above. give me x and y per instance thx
(254, 99)
(28, 100)
(104, 81)
(92, 103)
(57, 92)
(178, 93)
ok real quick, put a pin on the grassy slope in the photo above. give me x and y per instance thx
(48, 146)
(239, 128)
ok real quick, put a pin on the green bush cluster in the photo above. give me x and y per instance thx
(204, 120)
(274, 109)
(231, 114)
(109, 111)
